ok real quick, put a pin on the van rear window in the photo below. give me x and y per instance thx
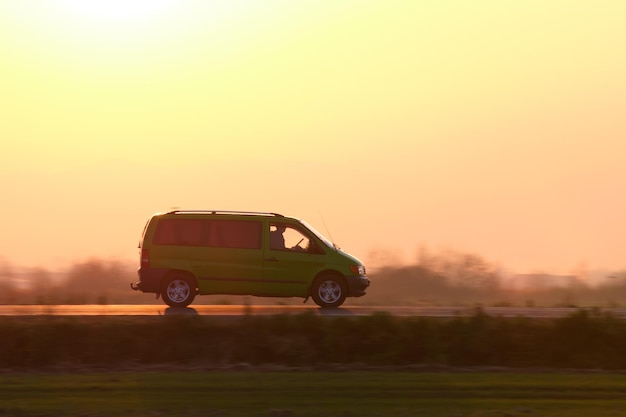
(213, 233)
(181, 232)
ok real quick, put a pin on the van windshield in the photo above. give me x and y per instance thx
(317, 234)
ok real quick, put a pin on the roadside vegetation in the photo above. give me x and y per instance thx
(311, 365)
(585, 340)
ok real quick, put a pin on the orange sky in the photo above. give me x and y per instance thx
(491, 127)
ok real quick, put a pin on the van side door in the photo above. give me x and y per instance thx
(292, 258)
(233, 259)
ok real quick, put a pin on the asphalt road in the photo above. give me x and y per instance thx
(240, 310)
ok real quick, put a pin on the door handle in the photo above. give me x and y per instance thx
(272, 259)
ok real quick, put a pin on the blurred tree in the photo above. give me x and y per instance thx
(8, 289)
(463, 269)
(41, 286)
(93, 281)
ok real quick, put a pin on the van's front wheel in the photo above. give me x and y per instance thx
(329, 291)
(178, 291)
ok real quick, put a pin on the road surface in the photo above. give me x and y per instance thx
(241, 310)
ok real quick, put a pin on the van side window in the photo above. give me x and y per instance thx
(239, 234)
(287, 237)
(181, 232)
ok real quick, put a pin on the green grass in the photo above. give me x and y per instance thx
(342, 394)
(48, 366)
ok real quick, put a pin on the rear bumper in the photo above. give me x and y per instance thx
(149, 280)
(357, 286)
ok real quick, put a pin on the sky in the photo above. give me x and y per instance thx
(496, 128)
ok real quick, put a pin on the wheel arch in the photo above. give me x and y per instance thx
(179, 272)
(325, 272)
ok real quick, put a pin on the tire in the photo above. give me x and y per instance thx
(178, 290)
(329, 291)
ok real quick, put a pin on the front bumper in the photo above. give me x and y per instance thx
(357, 286)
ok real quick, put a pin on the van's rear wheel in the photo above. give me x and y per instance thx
(329, 291)
(178, 291)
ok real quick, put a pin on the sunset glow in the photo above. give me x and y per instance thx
(488, 127)
(115, 10)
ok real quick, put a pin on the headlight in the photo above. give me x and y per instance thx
(358, 269)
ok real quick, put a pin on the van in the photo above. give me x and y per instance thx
(185, 253)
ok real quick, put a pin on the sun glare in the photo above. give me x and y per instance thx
(111, 21)
(116, 11)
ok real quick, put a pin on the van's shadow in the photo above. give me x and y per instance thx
(188, 311)
(181, 311)
(335, 312)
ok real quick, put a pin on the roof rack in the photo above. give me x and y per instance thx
(245, 213)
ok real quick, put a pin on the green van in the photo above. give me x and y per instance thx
(191, 252)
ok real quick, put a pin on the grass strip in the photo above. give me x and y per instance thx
(343, 394)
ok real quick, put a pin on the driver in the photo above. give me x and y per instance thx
(277, 240)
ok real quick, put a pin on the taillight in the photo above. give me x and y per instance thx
(144, 258)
